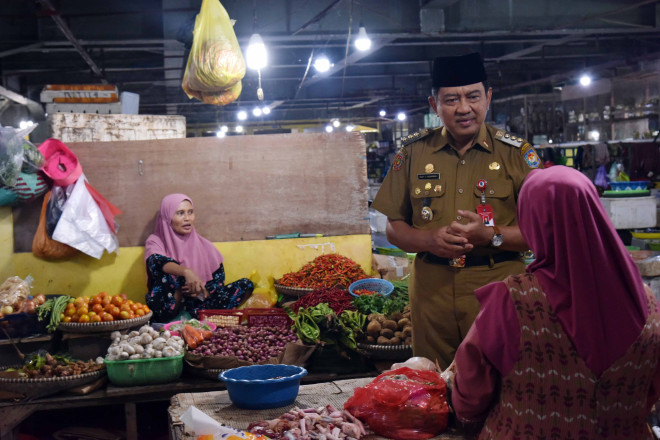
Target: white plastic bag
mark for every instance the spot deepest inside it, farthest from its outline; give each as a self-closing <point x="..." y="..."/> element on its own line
<point x="82" y="224"/>
<point x="417" y="363"/>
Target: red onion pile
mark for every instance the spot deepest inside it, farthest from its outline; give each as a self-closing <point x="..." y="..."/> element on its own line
<point x="251" y="344"/>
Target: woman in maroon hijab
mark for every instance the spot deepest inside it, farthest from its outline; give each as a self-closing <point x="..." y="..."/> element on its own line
<point x="571" y="348"/>
<point x="185" y="270"/>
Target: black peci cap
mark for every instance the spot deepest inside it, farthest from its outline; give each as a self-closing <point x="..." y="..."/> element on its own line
<point x="458" y="71"/>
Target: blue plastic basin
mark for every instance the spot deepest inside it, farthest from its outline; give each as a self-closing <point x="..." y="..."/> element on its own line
<point x="263" y="386"/>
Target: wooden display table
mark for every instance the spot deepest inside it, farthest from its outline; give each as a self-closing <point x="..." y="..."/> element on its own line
<point x="217" y="405"/>
<point x="13" y="413"/>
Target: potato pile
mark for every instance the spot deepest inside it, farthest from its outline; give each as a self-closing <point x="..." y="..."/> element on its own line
<point x="393" y="330"/>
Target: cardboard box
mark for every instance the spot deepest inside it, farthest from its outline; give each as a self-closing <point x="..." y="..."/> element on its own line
<point x="389" y="267"/>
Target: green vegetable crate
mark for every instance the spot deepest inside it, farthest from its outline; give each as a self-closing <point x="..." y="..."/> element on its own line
<point x="144" y="371"/>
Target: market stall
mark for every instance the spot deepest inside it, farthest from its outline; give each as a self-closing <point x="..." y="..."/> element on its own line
<point x="218" y="405"/>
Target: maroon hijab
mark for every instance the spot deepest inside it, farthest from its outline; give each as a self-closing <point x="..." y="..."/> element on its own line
<point x="191" y="250"/>
<point x="588" y="276"/>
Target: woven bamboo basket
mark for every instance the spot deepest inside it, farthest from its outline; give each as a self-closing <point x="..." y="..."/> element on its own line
<point x="106" y="326"/>
<point x="41" y="387"/>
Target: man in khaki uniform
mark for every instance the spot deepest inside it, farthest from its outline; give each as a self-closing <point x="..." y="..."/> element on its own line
<point x="450" y="196"/>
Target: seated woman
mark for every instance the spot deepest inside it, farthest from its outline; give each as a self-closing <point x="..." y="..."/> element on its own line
<point x="571" y="348"/>
<point x="184" y="270"/>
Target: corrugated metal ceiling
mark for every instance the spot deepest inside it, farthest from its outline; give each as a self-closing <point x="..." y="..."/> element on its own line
<point x="529" y="46"/>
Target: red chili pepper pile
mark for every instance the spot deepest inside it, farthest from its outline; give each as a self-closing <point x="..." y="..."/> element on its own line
<point x="325" y="271"/>
<point x="337" y="299"/>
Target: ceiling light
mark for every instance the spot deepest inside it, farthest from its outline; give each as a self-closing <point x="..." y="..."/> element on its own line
<point x="549" y="141"/>
<point x="241" y="115"/>
<point x="594" y="135"/>
<point x="220" y="134"/>
<point x="401" y="116"/>
<point x="239" y="129"/>
<point x="362" y="42"/>
<point x="224" y="129"/>
<point x="336" y="123"/>
<point x="350" y="127"/>
<point x="256" y="54"/>
<point x="585" y="80"/>
<point x="257" y="111"/>
<point x="322" y="64"/>
<point x="328" y="128"/>
<point x="382" y="113"/>
<point x="266" y="110"/>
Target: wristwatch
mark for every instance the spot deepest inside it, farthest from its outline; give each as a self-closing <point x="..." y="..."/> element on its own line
<point x="498" y="238"/>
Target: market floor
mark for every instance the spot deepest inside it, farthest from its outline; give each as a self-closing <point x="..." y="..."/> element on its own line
<point x="55" y="424"/>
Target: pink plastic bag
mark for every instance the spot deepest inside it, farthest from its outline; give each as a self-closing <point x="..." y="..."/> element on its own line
<point x="403" y="404"/>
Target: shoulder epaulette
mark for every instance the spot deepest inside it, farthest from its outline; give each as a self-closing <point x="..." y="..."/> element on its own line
<point x="415" y="136"/>
<point x="509" y="139"/>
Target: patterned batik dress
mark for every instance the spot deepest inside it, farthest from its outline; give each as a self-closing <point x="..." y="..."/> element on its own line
<point x="552" y="395"/>
<point x="162" y="287"/>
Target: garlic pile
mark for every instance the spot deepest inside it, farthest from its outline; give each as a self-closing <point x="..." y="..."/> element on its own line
<point x="145" y="343"/>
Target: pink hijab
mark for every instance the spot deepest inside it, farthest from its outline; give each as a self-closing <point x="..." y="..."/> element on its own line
<point x="192" y="250"/>
<point x="588" y="276"/>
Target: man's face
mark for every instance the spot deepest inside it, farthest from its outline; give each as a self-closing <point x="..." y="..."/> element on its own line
<point x="462" y="109"/>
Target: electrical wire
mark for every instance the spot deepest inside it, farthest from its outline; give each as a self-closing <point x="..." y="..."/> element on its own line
<point x="348" y="43"/>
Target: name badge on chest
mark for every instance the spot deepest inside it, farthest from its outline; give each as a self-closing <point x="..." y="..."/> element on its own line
<point x="428" y="176"/>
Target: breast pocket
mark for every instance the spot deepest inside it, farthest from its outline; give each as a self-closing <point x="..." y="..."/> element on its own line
<point x="500" y="196"/>
<point x="433" y="190"/>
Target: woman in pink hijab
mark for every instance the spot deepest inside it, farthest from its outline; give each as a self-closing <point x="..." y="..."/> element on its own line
<point x="571" y="348"/>
<point x="184" y="270"/>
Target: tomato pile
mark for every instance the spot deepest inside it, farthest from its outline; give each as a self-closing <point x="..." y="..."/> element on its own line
<point x="102" y="307"/>
<point x="360" y="292"/>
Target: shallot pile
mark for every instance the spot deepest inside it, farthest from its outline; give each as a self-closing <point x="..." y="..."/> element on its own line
<point x="251" y="344"/>
<point x="327" y="423"/>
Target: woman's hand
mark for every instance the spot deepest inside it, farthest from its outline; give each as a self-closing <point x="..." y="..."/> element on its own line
<point x="194" y="285"/>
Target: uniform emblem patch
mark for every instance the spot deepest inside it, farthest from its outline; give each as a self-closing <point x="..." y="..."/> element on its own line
<point x="399" y="159"/>
<point x="532" y="159"/>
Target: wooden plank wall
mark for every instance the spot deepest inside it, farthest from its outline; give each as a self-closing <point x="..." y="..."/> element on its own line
<point x="243" y="187"/>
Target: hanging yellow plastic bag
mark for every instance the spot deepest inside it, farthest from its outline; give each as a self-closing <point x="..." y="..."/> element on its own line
<point x="217" y="98"/>
<point x="215" y="64"/>
<point x="264" y="295"/>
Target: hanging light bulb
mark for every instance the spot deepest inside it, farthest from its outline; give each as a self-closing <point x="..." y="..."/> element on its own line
<point x="362" y="42"/>
<point x="257" y="56"/>
<point x="322" y="64"/>
<point x="336" y="123"/>
<point x="401" y="116"/>
<point x="585" y="80"/>
<point x="257" y="59"/>
<point x="382" y="113"/>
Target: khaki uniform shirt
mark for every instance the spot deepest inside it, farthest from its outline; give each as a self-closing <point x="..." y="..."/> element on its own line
<point x="428" y="167"/>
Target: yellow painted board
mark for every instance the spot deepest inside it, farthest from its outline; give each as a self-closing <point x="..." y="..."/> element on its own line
<point x="125" y="272"/>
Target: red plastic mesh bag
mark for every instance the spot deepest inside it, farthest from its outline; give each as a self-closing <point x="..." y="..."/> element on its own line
<point x="403" y="404"/>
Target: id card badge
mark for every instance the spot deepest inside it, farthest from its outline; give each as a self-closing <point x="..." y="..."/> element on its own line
<point x="486" y="213"/>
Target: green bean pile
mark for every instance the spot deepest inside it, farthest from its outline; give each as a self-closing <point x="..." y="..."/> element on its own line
<point x="53" y="307"/>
